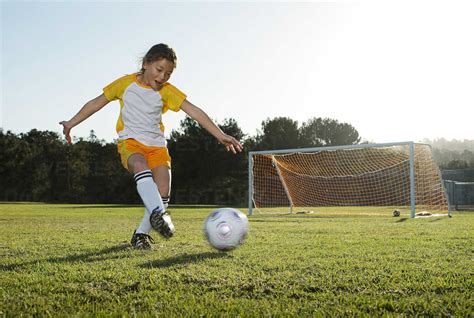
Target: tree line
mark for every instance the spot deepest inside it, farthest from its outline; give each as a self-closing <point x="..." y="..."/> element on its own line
<point x="453" y="154"/>
<point x="41" y="166"/>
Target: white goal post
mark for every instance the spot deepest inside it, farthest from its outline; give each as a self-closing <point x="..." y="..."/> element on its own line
<point x="400" y="174"/>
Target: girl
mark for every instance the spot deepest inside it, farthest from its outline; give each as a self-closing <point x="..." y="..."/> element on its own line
<point x="144" y="96"/>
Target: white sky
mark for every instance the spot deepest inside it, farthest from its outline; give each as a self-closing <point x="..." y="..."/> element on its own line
<point x="395" y="70"/>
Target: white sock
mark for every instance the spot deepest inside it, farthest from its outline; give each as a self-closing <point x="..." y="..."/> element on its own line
<point x="145" y="225"/>
<point x="148" y="191"/>
<point x="166" y="201"/>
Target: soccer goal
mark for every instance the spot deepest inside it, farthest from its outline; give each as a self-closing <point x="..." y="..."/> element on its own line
<point x="400" y="175"/>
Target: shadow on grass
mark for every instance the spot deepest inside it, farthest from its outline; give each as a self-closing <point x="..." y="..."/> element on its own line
<point x="437" y="219"/>
<point x="401" y="220"/>
<point x="185" y="259"/>
<point x="95" y="256"/>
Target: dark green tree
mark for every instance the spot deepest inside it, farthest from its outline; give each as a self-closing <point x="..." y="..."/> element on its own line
<point x="15" y="155"/>
<point x="284" y="133"/>
<point x="203" y="171"/>
<point x="96" y="175"/>
<point x="318" y="132"/>
<point x="278" y="133"/>
<point x="41" y="163"/>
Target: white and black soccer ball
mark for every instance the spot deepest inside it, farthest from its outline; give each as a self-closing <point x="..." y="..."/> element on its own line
<point x="396" y="213"/>
<point x="226" y="228"/>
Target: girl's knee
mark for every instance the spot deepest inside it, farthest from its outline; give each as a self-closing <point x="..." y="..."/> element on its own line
<point x="137" y="163"/>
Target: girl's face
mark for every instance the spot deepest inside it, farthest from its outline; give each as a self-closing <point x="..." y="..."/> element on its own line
<point x="157" y="73"/>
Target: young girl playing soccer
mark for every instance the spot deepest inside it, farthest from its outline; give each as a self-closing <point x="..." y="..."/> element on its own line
<point x="144" y="96"/>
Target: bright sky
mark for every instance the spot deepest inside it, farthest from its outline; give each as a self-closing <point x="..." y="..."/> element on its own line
<point x="395" y="70"/>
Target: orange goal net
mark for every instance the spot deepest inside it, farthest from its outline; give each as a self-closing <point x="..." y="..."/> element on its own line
<point x="385" y="175"/>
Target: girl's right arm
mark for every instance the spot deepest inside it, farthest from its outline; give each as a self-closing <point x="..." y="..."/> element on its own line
<point x="86" y="111"/>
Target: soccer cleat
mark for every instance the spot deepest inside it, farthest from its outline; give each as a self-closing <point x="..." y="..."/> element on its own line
<point x="141" y="241"/>
<point x="161" y="222"/>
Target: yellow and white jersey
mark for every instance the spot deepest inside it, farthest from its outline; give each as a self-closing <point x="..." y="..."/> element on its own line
<point x="141" y="109"/>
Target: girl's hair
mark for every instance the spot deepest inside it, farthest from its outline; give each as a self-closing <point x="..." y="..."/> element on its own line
<point x="158" y="52"/>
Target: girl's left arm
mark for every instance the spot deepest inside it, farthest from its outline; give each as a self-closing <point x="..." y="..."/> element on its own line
<point x="203" y="119"/>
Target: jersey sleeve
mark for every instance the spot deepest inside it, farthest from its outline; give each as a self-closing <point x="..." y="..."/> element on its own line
<point x="173" y="98"/>
<point x="115" y="90"/>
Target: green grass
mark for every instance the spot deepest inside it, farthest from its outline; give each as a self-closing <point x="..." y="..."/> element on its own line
<point x="74" y="260"/>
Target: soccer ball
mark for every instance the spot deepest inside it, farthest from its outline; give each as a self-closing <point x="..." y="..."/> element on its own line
<point x="396" y="213"/>
<point x="226" y="228"/>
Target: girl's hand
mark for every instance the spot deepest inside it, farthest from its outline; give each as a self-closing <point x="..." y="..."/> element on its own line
<point x="230" y="143"/>
<point x="196" y="113"/>
<point x="88" y="109"/>
<point x="66" y="130"/>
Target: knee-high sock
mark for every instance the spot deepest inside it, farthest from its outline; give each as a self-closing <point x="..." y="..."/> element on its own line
<point x="145" y="225"/>
<point x="148" y="191"/>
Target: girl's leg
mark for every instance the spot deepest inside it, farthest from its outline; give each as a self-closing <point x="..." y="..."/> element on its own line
<point x="162" y="178"/>
<point x="148" y="190"/>
<point x="161" y="220"/>
<point x="146" y="186"/>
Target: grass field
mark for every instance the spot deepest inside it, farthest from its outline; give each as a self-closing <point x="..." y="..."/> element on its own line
<point x="75" y="260"/>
